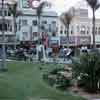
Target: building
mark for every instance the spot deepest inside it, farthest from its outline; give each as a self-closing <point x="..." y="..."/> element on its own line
<point x="8" y="24"/>
<point x="80" y="28"/>
<point x="27" y="23"/>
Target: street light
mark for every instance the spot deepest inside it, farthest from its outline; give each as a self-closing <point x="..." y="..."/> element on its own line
<point x="3" y="64"/>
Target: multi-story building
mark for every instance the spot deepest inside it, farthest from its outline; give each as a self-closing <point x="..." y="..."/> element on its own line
<point x="28" y="22"/>
<point x="80" y="28"/>
<point x="8" y="24"/>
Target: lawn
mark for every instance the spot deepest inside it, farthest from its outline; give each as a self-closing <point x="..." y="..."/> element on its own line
<point x="23" y="81"/>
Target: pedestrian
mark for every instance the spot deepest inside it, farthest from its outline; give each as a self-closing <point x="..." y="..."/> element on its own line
<point x="65" y="52"/>
<point x="39" y="50"/>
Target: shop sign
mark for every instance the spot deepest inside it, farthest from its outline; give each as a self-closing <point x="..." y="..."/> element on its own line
<point x="63" y="40"/>
<point x="84" y="40"/>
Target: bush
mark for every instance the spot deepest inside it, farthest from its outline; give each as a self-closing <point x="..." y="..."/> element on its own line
<point x="54" y="78"/>
<point x="88" y="68"/>
<point x="64" y="83"/>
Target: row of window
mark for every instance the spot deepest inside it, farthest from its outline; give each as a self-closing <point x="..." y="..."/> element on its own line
<point x="65" y="31"/>
<point x="35" y="34"/>
<point x="82" y="30"/>
<point x="7" y="27"/>
<point x="35" y="22"/>
<point x="86" y="30"/>
<point x="6" y="12"/>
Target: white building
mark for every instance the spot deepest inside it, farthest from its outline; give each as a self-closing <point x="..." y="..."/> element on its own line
<point x="80" y="28"/>
<point x="27" y="22"/>
<point x="8" y="24"/>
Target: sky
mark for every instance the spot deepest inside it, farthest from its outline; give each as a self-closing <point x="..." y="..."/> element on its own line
<point x="63" y="5"/>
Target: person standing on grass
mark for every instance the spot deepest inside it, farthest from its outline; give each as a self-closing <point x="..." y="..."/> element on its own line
<point x="39" y="51"/>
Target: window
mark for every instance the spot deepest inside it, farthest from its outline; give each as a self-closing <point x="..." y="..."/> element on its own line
<point x="5" y="12"/>
<point x="72" y="30"/>
<point x="99" y="30"/>
<point x="35" y="34"/>
<point x="50" y="28"/>
<point x="10" y="28"/>
<point x="96" y="30"/>
<point x="9" y="14"/>
<point x="88" y="30"/>
<point x="5" y="27"/>
<point x="24" y="22"/>
<point x="61" y="32"/>
<point x="44" y="22"/>
<point x="65" y="31"/>
<point x="78" y="29"/>
<point x="25" y="35"/>
<point x="0" y="13"/>
<point x="34" y="22"/>
<point x="83" y="29"/>
<point x="53" y="22"/>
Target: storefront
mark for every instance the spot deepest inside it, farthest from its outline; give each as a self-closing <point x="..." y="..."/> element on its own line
<point x="54" y="43"/>
<point x="97" y="40"/>
<point x="75" y="41"/>
<point x="64" y="42"/>
<point x="83" y="40"/>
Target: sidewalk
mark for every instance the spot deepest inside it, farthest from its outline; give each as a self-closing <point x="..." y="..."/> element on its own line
<point x="58" y="60"/>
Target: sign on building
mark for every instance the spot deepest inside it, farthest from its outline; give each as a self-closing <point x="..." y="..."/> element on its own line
<point x="63" y="40"/>
<point x="25" y="3"/>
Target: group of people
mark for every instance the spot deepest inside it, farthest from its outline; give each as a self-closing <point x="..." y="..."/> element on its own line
<point x="21" y="53"/>
<point x="40" y="51"/>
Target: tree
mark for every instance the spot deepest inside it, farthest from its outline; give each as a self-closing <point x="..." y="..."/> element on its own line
<point x="94" y="4"/>
<point x="13" y="10"/>
<point x="66" y="19"/>
<point x="39" y="12"/>
<point x="3" y="66"/>
<point x="88" y="71"/>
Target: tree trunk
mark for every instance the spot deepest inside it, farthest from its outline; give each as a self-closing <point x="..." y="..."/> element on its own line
<point x="39" y="29"/>
<point x="14" y="30"/>
<point x="93" y="30"/>
<point x="38" y="54"/>
<point x="3" y="64"/>
<point x="68" y="36"/>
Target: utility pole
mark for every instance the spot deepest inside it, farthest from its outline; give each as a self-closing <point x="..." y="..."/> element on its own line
<point x="3" y="63"/>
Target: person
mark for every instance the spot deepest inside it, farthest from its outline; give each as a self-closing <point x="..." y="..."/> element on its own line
<point x="65" y="52"/>
<point x="25" y="55"/>
<point x="68" y="54"/>
<point x="84" y="49"/>
<point x="39" y="50"/>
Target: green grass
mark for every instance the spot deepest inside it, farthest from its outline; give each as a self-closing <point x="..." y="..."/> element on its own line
<point x="23" y="81"/>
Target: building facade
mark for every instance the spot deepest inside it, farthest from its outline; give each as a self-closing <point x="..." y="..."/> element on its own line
<point x="80" y="32"/>
<point x="8" y="24"/>
<point x="28" y="22"/>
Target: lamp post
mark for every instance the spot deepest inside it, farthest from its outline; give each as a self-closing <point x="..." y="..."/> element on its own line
<point x="3" y="64"/>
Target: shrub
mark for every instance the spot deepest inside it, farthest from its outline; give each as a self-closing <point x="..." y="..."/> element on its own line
<point x="63" y="83"/>
<point x="88" y="68"/>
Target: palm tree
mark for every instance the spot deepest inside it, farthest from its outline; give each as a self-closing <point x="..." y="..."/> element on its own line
<point x="66" y="19"/>
<point x="13" y="10"/>
<point x="3" y="64"/>
<point x="39" y="12"/>
<point x="94" y="4"/>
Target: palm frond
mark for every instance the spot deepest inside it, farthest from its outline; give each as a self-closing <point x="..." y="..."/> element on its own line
<point x="13" y="9"/>
<point x="66" y="18"/>
<point x="94" y="4"/>
<point x="41" y="6"/>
